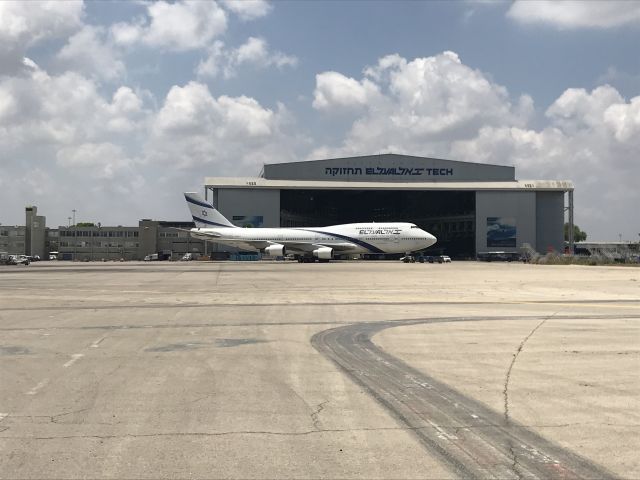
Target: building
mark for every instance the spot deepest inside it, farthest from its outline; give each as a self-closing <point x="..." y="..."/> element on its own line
<point x="35" y="233"/>
<point x="470" y="207"/>
<point x="12" y="239"/>
<point x="128" y="243"/>
<point x="99" y="242"/>
<point x="31" y="239"/>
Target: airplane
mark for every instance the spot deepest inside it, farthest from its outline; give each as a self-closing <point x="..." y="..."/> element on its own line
<point x="308" y="244"/>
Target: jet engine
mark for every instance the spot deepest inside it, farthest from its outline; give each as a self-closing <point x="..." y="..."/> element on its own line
<point x="323" y="253"/>
<point x="276" y="250"/>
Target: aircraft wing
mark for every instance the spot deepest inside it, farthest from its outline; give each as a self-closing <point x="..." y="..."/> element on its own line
<point x="197" y="233"/>
<point x="294" y="247"/>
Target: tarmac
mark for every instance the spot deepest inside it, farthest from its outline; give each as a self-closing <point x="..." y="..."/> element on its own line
<point x="338" y="370"/>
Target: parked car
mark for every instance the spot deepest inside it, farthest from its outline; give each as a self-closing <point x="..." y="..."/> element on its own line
<point x="19" y="260"/>
<point x="187" y="257"/>
<point x="444" y="259"/>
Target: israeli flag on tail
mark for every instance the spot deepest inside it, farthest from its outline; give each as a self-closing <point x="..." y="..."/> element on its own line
<point x="204" y="214"/>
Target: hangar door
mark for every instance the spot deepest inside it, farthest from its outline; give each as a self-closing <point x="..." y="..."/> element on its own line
<point x="449" y="215"/>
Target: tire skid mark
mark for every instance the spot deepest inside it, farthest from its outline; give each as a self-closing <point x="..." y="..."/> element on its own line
<point x="444" y="420"/>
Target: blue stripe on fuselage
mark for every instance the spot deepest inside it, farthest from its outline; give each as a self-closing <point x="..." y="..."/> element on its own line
<point x="366" y="245"/>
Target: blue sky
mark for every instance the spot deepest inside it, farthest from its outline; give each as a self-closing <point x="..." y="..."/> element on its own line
<point x="115" y="108"/>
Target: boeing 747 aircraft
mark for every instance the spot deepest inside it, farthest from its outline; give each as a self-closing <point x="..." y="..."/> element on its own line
<point x="308" y="244"/>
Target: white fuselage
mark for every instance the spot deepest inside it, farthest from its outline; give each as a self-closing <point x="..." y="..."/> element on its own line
<point x="348" y="238"/>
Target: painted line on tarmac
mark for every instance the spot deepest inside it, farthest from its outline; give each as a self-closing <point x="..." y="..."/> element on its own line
<point x="3" y="416"/>
<point x="74" y="358"/>
<point x="37" y="388"/>
<point x="97" y="343"/>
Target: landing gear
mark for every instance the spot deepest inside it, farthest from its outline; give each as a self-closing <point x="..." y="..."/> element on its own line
<point x="303" y="259"/>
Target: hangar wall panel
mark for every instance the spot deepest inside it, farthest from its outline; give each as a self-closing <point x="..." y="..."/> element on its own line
<point x="550" y="221"/>
<point x="498" y="214"/>
<point x="250" y="203"/>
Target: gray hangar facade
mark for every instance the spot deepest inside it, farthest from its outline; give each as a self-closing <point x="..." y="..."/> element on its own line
<point x="470" y="207"/>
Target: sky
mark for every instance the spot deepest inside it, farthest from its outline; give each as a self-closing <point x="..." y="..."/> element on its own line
<point x="115" y="108"/>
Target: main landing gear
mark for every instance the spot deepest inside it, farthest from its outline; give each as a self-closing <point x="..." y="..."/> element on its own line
<point x="303" y="259"/>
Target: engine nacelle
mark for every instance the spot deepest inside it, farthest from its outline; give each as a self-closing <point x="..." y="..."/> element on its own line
<point x="323" y="253"/>
<point x="275" y="250"/>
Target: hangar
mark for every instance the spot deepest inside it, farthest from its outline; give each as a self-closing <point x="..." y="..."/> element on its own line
<point x="470" y="207"/>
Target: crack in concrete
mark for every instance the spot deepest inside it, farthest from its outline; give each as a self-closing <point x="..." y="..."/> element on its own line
<point x="265" y="432"/>
<point x="219" y="434"/>
<point x="505" y="393"/>
<point x="514" y="465"/>
<point x="315" y="414"/>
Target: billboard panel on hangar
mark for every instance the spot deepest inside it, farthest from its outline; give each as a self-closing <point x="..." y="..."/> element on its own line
<point x="389" y="168"/>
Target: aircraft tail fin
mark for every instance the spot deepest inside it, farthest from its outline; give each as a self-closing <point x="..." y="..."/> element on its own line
<point x="204" y="214"/>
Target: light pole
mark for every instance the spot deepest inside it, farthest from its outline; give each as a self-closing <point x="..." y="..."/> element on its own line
<point x="74" y="217"/>
<point x="69" y="222"/>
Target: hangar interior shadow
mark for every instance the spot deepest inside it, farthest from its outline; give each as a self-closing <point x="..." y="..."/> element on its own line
<point x="449" y="215"/>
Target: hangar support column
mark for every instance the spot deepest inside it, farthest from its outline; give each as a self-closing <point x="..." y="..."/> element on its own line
<point x="570" y="208"/>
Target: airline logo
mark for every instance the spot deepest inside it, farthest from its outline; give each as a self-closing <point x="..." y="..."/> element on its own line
<point x="389" y="171"/>
<point x="380" y="231"/>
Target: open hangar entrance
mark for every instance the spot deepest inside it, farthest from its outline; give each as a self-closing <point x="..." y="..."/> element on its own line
<point x="449" y="215"/>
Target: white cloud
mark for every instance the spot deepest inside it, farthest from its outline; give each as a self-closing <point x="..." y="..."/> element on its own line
<point x="103" y="160"/>
<point x="90" y="53"/>
<point x="216" y="62"/>
<point x="24" y="24"/>
<point x="408" y="104"/>
<point x="195" y="129"/>
<point x="624" y="120"/>
<point x="254" y="52"/>
<point x="179" y="26"/>
<point x="127" y="34"/>
<point x="63" y="109"/>
<point x="569" y="14"/>
<point x="248" y="9"/>
<point x="335" y="91"/>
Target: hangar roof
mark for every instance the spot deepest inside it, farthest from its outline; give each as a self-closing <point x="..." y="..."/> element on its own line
<point x="259" y="183"/>
<point x="388" y="167"/>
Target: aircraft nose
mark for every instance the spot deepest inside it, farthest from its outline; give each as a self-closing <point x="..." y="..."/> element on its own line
<point x="430" y="238"/>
